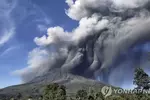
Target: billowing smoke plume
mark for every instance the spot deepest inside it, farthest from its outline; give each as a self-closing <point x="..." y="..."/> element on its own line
<point x="111" y="40"/>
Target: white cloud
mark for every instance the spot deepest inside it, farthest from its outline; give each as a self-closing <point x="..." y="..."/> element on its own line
<point x="7" y="35"/>
<point x="7" y="25"/>
<point x="83" y="8"/>
<point x="8" y="50"/>
<point x="89" y="26"/>
<point x="41" y="27"/>
<point x="56" y="35"/>
<point x="37" y="59"/>
<point x="70" y="2"/>
<point x="129" y="3"/>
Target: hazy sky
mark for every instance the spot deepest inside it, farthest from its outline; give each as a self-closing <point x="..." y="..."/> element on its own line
<point x="20" y="22"/>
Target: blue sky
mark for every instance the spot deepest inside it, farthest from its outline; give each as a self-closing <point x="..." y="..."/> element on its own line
<point x="20" y="22"/>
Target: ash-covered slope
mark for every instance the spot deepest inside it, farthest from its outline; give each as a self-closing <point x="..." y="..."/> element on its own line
<point x="35" y="87"/>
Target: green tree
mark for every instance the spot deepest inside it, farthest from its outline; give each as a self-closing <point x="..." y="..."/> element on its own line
<point x="91" y="94"/>
<point x="82" y="95"/>
<point x="141" y="79"/>
<point x="70" y="98"/>
<point x="99" y="96"/>
<point x="18" y="96"/>
<point x="115" y="97"/>
<point x="54" y="92"/>
<point x="90" y="97"/>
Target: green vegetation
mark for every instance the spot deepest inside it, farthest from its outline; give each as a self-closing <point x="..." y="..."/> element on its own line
<point x="141" y="79"/>
<point x="58" y="92"/>
<point x="54" y="92"/>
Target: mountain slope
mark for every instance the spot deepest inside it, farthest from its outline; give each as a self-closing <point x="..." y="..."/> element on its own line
<point x="35" y="87"/>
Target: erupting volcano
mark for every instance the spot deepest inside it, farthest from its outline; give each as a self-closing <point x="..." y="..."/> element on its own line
<point x="112" y="39"/>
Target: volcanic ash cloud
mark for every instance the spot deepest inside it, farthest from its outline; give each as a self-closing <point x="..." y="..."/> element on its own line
<point x="102" y="47"/>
